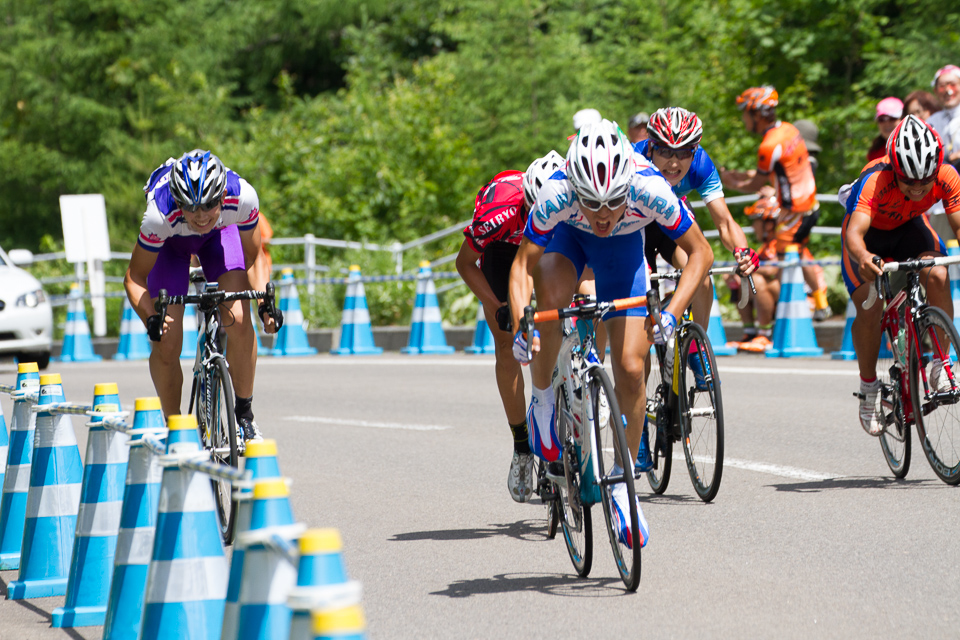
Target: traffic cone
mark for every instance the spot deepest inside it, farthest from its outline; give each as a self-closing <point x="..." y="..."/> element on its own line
<point x="4" y="444"/>
<point x="715" y="332"/>
<point x="321" y="580"/>
<point x="426" y="331"/>
<point x="53" y="501"/>
<point x="482" y="336"/>
<point x="134" y="341"/>
<point x="793" y="334"/>
<point x="187" y="578"/>
<point x="77" y="346"/>
<point x="291" y="340"/>
<point x="260" y="458"/>
<point x="16" y="481"/>
<point x="846" y="351"/>
<point x="138" y="521"/>
<point x="268" y="570"/>
<point x="191" y="333"/>
<point x="98" y="521"/>
<point x="356" y="334"/>
<point x="342" y="623"/>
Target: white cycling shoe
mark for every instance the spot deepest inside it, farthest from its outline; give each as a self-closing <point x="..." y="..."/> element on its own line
<point x="868" y="408"/>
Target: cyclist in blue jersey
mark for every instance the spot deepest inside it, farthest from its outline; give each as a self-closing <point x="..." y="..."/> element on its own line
<point x="594" y="213"/>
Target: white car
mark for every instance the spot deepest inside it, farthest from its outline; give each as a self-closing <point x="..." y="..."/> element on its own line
<point x="26" y="317"/>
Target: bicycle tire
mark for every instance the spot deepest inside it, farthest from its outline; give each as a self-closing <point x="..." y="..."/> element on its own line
<point x="937" y="431"/>
<point x="658" y="419"/>
<point x="701" y="413"/>
<point x="895" y="437"/>
<point x="215" y="406"/>
<point x="573" y="514"/>
<point x="611" y="448"/>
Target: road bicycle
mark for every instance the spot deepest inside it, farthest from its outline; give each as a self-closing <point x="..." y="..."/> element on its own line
<point x="211" y="393"/>
<point x="590" y="427"/>
<point x="684" y="402"/>
<point x="923" y="344"/>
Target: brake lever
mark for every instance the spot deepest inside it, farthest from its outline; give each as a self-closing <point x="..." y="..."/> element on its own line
<point x="160" y="306"/>
<point x="874" y="292"/>
<point x="528" y="322"/>
<point x="744" y="297"/>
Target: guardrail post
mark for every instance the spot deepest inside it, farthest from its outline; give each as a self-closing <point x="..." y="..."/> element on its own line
<point x="397" y="250"/>
<point x="310" y="257"/>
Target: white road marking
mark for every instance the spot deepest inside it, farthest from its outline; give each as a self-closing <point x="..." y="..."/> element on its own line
<point x="792" y="372"/>
<point x="367" y="423"/>
<point x="765" y="467"/>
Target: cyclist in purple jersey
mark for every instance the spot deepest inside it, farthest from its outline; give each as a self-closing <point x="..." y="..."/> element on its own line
<point x="196" y="206"/>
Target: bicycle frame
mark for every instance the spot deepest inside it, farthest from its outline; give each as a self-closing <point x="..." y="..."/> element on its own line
<point x="901" y="312"/>
<point x="209" y="353"/>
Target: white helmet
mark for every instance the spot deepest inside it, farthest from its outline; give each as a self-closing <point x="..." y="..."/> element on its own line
<point x="600" y="163"/>
<point x="538" y="173"/>
<point x="915" y="150"/>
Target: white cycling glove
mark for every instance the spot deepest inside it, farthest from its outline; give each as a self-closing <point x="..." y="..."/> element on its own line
<point x="520" y="346"/>
<point x="669" y="322"/>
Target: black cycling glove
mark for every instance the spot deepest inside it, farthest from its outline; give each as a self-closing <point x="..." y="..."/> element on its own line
<point x="154" y="327"/>
<point x="264" y="308"/>
<point x="503" y="318"/>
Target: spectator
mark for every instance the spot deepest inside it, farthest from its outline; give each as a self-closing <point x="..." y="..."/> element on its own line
<point x="810" y="133"/>
<point x="946" y="83"/>
<point x="922" y="104"/>
<point x="757" y="316"/>
<point x="637" y="127"/>
<point x="889" y="112"/>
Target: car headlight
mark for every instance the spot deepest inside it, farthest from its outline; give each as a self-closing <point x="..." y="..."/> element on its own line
<point x="31" y="299"/>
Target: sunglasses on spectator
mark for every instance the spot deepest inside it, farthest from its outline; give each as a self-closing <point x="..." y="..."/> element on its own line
<point x="210" y="206"/>
<point x="596" y="205"/>
<point x="916" y="182"/>
<point x="887" y="119"/>
<point x="679" y="154"/>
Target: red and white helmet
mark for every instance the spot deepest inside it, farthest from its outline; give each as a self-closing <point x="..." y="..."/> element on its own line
<point x="538" y="173"/>
<point x="915" y="149"/>
<point x="600" y="162"/>
<point x="675" y="128"/>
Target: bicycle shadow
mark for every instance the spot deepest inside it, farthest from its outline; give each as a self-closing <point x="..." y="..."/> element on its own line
<point x="549" y="584"/>
<point x="674" y="499"/>
<point x="855" y="482"/>
<point x="31" y="607"/>
<point x="521" y="530"/>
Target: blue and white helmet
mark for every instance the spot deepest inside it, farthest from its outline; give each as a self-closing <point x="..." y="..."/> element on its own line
<point x="600" y="162"/>
<point x="538" y="173"/>
<point x="198" y="179"/>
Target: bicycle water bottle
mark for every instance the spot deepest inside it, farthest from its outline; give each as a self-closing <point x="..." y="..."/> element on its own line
<point x="900" y="347"/>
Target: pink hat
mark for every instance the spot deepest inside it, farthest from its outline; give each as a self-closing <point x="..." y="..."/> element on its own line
<point x="947" y="69"/>
<point x="892" y="107"/>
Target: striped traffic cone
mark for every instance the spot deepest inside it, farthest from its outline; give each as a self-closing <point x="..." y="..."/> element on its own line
<point x="77" y="345"/>
<point x="98" y="521"/>
<point x="260" y="459"/>
<point x="482" y="337"/>
<point x="426" y="330"/>
<point x="341" y="623"/>
<point x="187" y="579"/>
<point x="16" y="481"/>
<point x="291" y="340"/>
<point x="846" y="351"/>
<point x="715" y="332"/>
<point x="793" y="334"/>
<point x="138" y="521"/>
<point x="53" y="501"/>
<point x="268" y="570"/>
<point x="4" y="444"/>
<point x="356" y="334"/>
<point x="321" y="580"/>
<point x="134" y="341"/>
<point x="191" y="333"/>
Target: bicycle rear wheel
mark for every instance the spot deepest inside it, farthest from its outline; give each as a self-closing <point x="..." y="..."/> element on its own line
<point x="701" y="412"/>
<point x="611" y="450"/>
<point x="895" y="437"/>
<point x="658" y="423"/>
<point x="573" y="514"/>
<point x="218" y="426"/>
<point x="936" y="403"/>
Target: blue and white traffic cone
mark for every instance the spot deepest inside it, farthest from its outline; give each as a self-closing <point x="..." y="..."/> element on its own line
<point x="322" y="581"/>
<point x="191" y="333"/>
<point x="134" y="341"/>
<point x="16" y="481"/>
<point x="52" y="501"/>
<point x="356" y="334"/>
<point x="4" y="445"/>
<point x="187" y="579"/>
<point x="138" y="521"/>
<point x="77" y="345"/>
<point x="260" y="459"/>
<point x="793" y="334"/>
<point x="342" y="623"/>
<point x="482" y="336"/>
<point x="98" y="521"/>
<point x="846" y="351"/>
<point x="426" y="329"/>
<point x="269" y="564"/>
<point x="291" y="340"/>
<point x="715" y="332"/>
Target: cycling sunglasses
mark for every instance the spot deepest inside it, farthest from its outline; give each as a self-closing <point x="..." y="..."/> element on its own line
<point x="596" y="205"/>
<point x="679" y="154"/>
<point x="210" y="206"/>
<point x="916" y="182"/>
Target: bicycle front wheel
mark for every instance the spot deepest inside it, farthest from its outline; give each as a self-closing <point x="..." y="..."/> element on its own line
<point x="935" y="394"/>
<point x="623" y="527"/>
<point x="895" y="437"/>
<point x="701" y="412"/>
<point x="658" y="423"/>
<point x="574" y="514"/>
<point x="216" y="405"/>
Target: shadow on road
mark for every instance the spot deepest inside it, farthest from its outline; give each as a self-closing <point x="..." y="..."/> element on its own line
<point x="854" y="483"/>
<point x="552" y="584"/>
<point x="522" y="530"/>
<point x="29" y="606"/>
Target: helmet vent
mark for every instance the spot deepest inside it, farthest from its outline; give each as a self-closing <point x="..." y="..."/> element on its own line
<point x="601" y="173"/>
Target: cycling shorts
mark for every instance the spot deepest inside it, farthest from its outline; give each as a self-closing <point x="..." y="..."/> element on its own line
<point x="618" y="263"/>
<point x="794" y="228"/>
<point x="219" y="251"/>
<point x="495" y="265"/>
<point x="905" y="242"/>
<point x="657" y="241"/>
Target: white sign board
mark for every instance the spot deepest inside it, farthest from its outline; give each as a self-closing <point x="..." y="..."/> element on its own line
<point x="85" y="235"/>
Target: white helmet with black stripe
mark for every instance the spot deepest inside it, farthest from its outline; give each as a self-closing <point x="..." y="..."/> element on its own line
<point x="198" y="179"/>
<point x="538" y="173"/>
<point x="600" y="163"/>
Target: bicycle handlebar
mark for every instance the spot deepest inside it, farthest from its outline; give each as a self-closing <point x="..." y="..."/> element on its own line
<point x="918" y="264"/>
<point x="217" y="297"/>
<point x="676" y="273"/>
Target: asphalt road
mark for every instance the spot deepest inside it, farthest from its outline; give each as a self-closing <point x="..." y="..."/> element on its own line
<point x="810" y="536"/>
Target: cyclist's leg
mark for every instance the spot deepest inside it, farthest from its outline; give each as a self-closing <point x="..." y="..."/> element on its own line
<point x="165" y="363"/>
<point x="241" y="339"/>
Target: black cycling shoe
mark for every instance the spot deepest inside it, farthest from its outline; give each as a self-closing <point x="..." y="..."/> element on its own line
<point x="250" y="430"/>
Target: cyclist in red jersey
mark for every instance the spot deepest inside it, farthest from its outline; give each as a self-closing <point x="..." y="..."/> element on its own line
<point x="885" y="218"/>
<point x="490" y="243"/>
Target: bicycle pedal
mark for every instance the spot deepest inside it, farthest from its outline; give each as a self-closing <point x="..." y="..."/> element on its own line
<point x="558" y="477"/>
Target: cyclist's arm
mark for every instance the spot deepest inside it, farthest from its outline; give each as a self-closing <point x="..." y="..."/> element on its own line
<point x="731" y="234"/>
<point x="745" y="181"/>
<point x="250" y="241"/>
<point x="135" y="281"/>
<point x="699" y="261"/>
<point x="521" y="278"/>
<point x="857" y="228"/>
<point x="470" y="272"/>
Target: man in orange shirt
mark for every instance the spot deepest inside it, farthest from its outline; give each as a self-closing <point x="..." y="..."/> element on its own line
<point x="885" y="218"/>
<point x="782" y="160"/>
